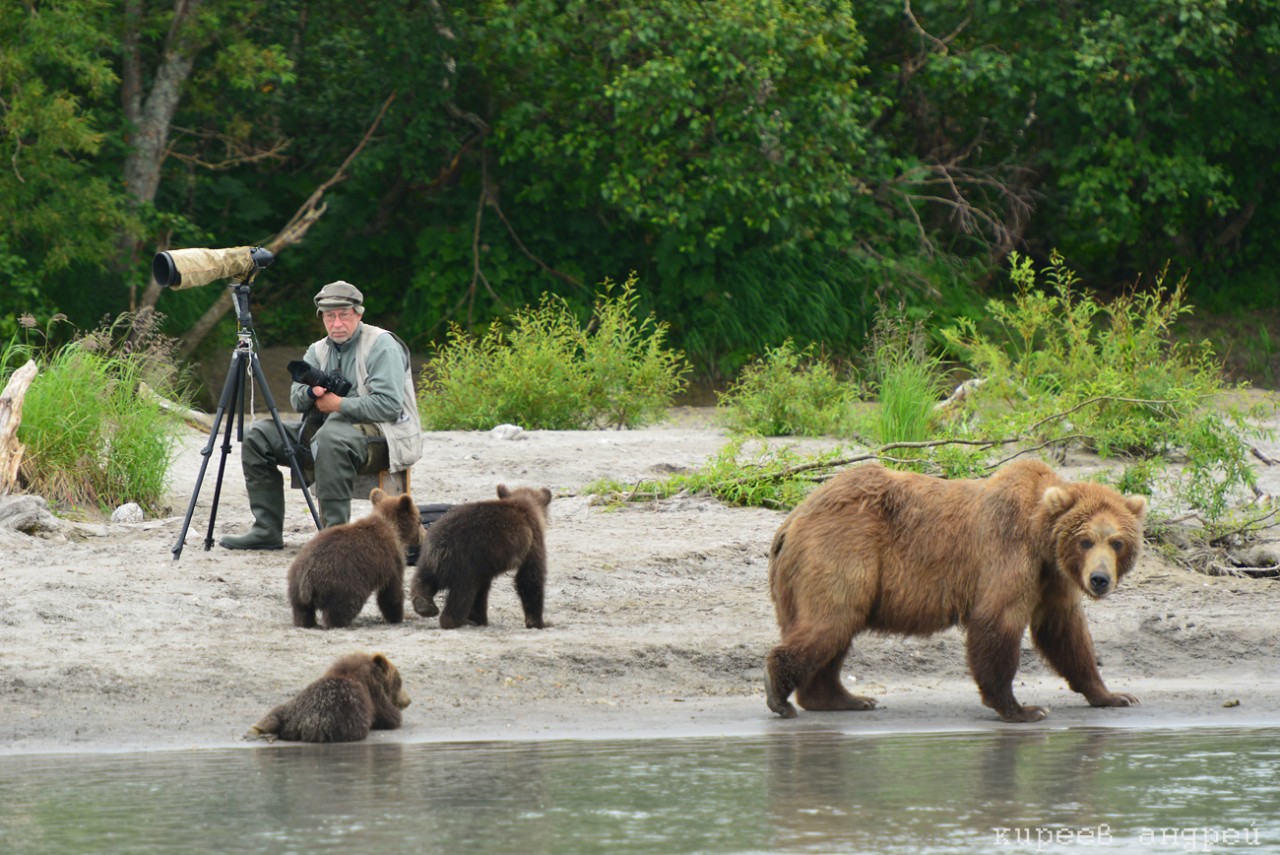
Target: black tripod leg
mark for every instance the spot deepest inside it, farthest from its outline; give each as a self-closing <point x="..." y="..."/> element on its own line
<point x="284" y="437"/>
<point x="236" y="418"/>
<point x="229" y="393"/>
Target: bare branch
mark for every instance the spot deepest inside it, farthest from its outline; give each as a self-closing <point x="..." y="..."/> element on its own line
<point x="292" y="232"/>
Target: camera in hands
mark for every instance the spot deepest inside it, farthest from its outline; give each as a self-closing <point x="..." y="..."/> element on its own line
<point x="309" y="375"/>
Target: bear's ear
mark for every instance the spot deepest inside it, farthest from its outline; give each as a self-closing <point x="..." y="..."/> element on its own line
<point x="1057" y="499"/>
<point x="503" y="492"/>
<point x="405" y="504"/>
<point x="377" y="495"/>
<point x="381" y="662"/>
<point x="1137" y="505"/>
<point x="546" y="496"/>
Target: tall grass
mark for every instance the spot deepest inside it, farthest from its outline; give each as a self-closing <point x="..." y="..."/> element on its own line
<point x="95" y="433"/>
<point x="906" y="378"/>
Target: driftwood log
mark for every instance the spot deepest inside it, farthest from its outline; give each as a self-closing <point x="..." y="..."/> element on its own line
<point x="10" y="418"/>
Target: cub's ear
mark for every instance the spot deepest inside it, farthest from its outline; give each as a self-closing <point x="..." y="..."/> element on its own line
<point x="1057" y="499"/>
<point x="381" y="662"/>
<point x="405" y="503"/>
<point x="377" y="495"/>
<point x="546" y="496"/>
<point x="1137" y="505"/>
<point x="503" y="492"/>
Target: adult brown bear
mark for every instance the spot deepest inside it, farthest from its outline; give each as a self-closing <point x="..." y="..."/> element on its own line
<point x="909" y="554"/>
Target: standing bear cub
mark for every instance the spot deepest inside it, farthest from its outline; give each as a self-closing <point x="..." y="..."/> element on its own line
<point x="358" y="693"/>
<point x="341" y="566"/>
<point x="474" y="543"/>
<point x="908" y="554"/>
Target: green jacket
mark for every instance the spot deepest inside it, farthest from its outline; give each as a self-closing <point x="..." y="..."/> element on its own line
<point x="377" y="364"/>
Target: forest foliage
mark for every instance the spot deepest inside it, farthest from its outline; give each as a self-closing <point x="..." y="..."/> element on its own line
<point x="768" y="171"/>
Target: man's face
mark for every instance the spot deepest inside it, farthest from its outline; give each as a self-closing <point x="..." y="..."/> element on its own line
<point x="340" y="324"/>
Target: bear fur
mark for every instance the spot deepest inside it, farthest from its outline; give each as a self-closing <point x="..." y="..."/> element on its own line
<point x="908" y="554"/>
<point x="360" y="692"/>
<point x="474" y="543"/>
<point x="341" y="566"/>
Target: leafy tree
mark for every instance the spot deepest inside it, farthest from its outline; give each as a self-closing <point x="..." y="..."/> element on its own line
<point x="57" y="211"/>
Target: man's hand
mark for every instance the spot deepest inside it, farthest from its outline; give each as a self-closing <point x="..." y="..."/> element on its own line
<point x="327" y="402"/>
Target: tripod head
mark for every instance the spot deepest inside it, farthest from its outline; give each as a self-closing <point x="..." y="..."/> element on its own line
<point x="240" y="296"/>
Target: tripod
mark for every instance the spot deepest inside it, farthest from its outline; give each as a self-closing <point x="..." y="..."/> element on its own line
<point x="244" y="358"/>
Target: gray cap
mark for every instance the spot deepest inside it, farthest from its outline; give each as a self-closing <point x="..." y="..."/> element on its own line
<point x="339" y="295"/>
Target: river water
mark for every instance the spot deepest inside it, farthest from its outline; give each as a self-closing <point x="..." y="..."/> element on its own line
<point x="1190" y="790"/>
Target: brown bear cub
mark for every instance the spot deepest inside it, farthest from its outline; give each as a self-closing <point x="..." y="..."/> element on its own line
<point x="360" y="692"/>
<point x="337" y="570"/>
<point x="474" y="543"/>
<point x="902" y="553"/>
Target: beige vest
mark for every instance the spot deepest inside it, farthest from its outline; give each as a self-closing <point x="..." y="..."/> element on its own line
<point x="404" y="435"/>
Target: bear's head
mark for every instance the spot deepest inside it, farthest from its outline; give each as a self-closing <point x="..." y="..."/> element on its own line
<point x="538" y="500"/>
<point x="1096" y="534"/>
<point x="376" y="672"/>
<point x="403" y="515"/>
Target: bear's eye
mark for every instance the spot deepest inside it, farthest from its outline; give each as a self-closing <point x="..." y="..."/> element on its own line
<point x="1086" y="544"/>
<point x="1118" y="546"/>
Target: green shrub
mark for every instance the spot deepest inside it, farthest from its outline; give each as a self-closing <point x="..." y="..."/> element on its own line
<point x="96" y="435"/>
<point x="548" y="372"/>
<point x="787" y="392"/>
<point x="1060" y="368"/>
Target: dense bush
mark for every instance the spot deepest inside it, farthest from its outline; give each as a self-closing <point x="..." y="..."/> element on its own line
<point x="788" y="392"/>
<point x="547" y="371"/>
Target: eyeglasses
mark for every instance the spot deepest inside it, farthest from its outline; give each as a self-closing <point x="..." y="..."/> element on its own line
<point x="343" y="315"/>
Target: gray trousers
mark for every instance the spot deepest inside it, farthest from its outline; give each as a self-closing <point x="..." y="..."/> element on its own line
<point x="340" y="448"/>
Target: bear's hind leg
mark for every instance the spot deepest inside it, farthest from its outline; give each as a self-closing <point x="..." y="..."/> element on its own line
<point x="825" y="691"/>
<point x="304" y="616"/>
<point x="391" y="601"/>
<point x="457" y="606"/>
<point x="802" y="660"/>
<point x="339" y="612"/>
<point x="479" y="615"/>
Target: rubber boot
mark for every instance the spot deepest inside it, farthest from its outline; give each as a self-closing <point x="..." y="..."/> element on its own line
<point x="335" y="512"/>
<point x="267" y="531"/>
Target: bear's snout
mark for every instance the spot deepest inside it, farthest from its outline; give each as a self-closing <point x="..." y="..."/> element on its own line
<point x="1099" y="583"/>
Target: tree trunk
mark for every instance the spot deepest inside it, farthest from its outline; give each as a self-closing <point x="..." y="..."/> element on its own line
<point x="151" y="115"/>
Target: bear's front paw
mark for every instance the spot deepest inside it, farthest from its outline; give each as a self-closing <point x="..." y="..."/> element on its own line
<point x="1115" y="699"/>
<point x="1024" y="715"/>
<point x="425" y="606"/>
<point x="254" y="734"/>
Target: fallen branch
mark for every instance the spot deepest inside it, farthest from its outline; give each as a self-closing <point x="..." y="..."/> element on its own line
<point x="11" y="450"/>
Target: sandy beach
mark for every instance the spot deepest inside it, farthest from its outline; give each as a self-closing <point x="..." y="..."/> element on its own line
<point x="660" y="619"/>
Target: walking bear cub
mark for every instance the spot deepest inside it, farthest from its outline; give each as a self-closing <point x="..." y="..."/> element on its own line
<point x="474" y="543"/>
<point x="340" y="567"/>
<point x="909" y="554"/>
<point x="358" y="693"/>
